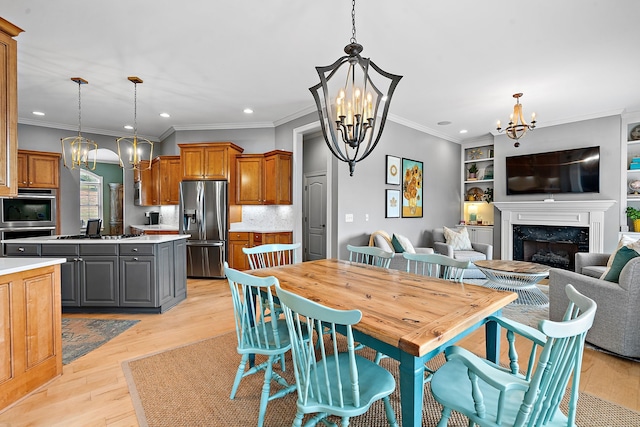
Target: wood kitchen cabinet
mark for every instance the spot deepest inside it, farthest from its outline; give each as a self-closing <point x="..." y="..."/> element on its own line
<point x="144" y="180"/>
<point x="31" y="332"/>
<point x="208" y="160"/>
<point x="247" y="239"/>
<point x="264" y="179"/>
<point x="165" y="177"/>
<point x="8" y="108"/>
<point x="38" y="169"/>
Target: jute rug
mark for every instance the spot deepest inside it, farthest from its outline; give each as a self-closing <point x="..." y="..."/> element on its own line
<point x="190" y="386"/>
<point x="80" y="336"/>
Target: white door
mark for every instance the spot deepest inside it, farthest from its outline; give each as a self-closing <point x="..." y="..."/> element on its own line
<point x="315" y="217"/>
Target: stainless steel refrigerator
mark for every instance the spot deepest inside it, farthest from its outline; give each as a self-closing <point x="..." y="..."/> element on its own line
<point x="203" y="215"/>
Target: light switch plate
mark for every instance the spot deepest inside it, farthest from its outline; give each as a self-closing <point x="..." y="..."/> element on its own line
<point x="348" y="218"/>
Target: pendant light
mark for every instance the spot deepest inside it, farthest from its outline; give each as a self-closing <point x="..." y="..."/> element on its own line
<point x="78" y="151"/>
<point x="348" y="97"/>
<point x="132" y="150"/>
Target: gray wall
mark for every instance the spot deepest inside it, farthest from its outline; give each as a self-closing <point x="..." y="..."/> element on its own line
<point x="364" y="192"/>
<point x="602" y="132"/>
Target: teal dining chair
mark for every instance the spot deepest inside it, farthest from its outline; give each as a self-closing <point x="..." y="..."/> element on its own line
<point x="436" y="265"/>
<point x="370" y="255"/>
<point x="490" y="395"/>
<point x="258" y="333"/>
<point x="271" y="255"/>
<point x="329" y="380"/>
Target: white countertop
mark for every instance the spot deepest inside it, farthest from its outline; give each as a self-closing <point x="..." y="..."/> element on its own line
<point x="258" y="230"/>
<point x="153" y="238"/>
<point x="161" y="227"/>
<point x="16" y="265"/>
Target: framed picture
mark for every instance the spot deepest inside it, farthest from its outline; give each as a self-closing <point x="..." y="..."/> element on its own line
<point x="393" y="170"/>
<point x="411" y="188"/>
<point x="393" y="204"/>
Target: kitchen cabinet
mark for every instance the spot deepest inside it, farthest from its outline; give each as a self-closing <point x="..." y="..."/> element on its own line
<point x="89" y="277"/>
<point x="247" y="239"/>
<point x="264" y="179"/>
<point x="30" y="315"/>
<point x="165" y="178"/>
<point x="38" y="169"/>
<point x="8" y="109"/>
<point x="208" y="160"/>
<point x="144" y="183"/>
<point x="237" y="259"/>
<point x="107" y="276"/>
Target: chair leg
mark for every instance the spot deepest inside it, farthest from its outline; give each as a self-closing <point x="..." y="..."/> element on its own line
<point x="391" y="416"/>
<point x="297" y="421"/>
<point x="239" y="374"/>
<point x="446" y="413"/>
<point x="266" y="388"/>
<point x="345" y="422"/>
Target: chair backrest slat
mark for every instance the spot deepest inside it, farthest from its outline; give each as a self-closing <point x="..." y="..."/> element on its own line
<point x="320" y="373"/>
<point x="370" y="255"/>
<point x="253" y="301"/>
<point x="560" y="362"/>
<point x="271" y="255"/>
<point x="436" y="265"/>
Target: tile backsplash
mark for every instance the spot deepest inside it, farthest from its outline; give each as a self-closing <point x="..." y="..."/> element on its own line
<point x="278" y="217"/>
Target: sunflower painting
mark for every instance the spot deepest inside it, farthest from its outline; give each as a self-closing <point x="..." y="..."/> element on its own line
<point x="412" y="189"/>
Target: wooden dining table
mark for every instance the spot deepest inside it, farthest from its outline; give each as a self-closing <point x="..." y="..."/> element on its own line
<point x="408" y="317"/>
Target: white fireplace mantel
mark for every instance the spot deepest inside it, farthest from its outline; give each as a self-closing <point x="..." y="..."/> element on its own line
<point x="576" y="213"/>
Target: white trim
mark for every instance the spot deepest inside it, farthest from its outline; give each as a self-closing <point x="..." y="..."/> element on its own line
<point x="578" y="213"/>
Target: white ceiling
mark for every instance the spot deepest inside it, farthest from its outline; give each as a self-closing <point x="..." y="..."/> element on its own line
<point x="204" y="61"/>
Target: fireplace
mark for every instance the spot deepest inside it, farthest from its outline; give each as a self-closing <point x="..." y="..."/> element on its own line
<point x="554" y="246"/>
<point x="586" y="215"/>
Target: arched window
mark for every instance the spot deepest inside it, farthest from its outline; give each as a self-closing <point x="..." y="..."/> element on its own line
<point x="90" y="197"/>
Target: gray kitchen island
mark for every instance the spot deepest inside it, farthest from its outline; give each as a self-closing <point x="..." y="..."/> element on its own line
<point x="142" y="274"/>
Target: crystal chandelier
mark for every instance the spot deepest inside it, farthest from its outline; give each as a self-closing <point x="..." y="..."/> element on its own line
<point x="348" y="99"/>
<point x="132" y="150"/>
<point x="78" y="151"/>
<point x="517" y="127"/>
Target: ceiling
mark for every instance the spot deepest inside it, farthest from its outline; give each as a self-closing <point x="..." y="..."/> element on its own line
<point x="204" y="61"/>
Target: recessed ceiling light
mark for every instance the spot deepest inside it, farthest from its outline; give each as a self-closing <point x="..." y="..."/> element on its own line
<point x="248" y="111"/>
<point x="38" y="113"/>
<point x="165" y="115"/>
<point x="128" y="127"/>
<point x="444" y="123"/>
<point x="463" y="131"/>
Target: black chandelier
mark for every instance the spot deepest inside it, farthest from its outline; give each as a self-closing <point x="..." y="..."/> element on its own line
<point x="348" y="99"/>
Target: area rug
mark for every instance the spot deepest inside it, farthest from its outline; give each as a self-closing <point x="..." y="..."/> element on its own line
<point x="80" y="336"/>
<point x="190" y="386"/>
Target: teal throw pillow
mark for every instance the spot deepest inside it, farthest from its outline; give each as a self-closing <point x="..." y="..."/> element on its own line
<point x="623" y="256"/>
<point x="397" y="245"/>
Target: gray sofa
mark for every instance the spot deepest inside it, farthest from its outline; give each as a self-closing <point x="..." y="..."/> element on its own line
<point x="382" y="239"/>
<point x="616" y="327"/>
<point x="480" y="251"/>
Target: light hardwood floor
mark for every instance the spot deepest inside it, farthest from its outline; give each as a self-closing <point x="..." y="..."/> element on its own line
<point x="93" y="392"/>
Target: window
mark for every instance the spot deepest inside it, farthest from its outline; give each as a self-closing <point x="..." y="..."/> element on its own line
<point x="90" y="197"/>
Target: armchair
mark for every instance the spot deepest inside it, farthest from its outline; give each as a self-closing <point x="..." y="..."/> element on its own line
<point x="479" y="251"/>
<point x="616" y="325"/>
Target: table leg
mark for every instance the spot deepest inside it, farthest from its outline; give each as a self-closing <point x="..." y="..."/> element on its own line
<point x="492" y="339"/>
<point x="411" y="389"/>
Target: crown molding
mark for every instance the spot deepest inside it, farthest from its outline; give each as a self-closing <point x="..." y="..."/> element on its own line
<point x="95" y="131"/>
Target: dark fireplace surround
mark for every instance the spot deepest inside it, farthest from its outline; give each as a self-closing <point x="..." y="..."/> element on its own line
<point x="554" y="246"/>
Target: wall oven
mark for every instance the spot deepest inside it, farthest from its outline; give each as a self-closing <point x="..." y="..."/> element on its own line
<point x="30" y="208"/>
<point x="32" y="213"/>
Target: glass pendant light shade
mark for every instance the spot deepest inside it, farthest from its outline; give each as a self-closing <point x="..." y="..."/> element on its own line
<point x="78" y="151"/>
<point x="131" y="150"/>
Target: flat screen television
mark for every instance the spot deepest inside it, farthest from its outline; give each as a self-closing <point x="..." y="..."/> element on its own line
<point x="564" y="171"/>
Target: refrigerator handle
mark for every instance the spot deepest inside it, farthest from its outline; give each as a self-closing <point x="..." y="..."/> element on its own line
<point x="201" y="218"/>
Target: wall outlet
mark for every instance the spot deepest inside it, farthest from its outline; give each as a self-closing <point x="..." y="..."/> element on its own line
<point x="348" y="218"/>
<point x="366" y="217"/>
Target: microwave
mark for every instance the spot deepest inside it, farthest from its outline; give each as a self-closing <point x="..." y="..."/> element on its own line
<point x="30" y="208"/>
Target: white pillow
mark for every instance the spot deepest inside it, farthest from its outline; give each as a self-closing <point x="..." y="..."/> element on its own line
<point x="382" y="243"/>
<point x="459" y="239"/>
<point x="405" y="243"/>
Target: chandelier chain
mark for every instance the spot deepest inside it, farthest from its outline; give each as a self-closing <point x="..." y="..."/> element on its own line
<point x="353" y="21"/>
<point x="79" y="109"/>
<point x="135" y="109"/>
